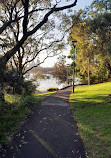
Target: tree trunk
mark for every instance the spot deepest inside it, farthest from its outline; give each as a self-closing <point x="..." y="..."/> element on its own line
<point x="2" y="72"/>
<point x="2" y="93"/>
<point x="88" y="72"/>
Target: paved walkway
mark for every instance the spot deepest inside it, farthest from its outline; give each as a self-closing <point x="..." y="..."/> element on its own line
<point x="50" y="132"/>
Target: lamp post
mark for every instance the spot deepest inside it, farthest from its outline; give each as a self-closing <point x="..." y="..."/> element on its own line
<point x="67" y="76"/>
<point x="73" y="42"/>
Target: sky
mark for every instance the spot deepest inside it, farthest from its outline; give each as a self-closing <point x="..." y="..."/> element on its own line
<point x="81" y="4"/>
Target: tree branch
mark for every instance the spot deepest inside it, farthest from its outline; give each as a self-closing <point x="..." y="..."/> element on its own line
<point x="11" y="52"/>
<point x="48" y="14"/>
<point x="40" y="62"/>
<point x="42" y="50"/>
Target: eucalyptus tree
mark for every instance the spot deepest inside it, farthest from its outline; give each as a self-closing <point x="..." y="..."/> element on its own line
<point x="92" y="29"/>
<point x="33" y="16"/>
<point x="100" y="26"/>
<point x="80" y="32"/>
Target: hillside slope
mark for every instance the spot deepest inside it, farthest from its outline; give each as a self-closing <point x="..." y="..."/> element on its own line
<point x="91" y="106"/>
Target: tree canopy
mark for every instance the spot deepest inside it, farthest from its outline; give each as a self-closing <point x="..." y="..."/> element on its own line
<point x="92" y="29"/>
<point x="29" y="27"/>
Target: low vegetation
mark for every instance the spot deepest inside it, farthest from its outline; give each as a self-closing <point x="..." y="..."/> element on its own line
<point x="14" y="111"/>
<point x="91" y="106"/>
<point x="52" y="89"/>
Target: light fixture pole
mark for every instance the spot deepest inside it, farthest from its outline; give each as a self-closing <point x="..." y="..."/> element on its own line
<point x="67" y="76"/>
<point x="73" y="42"/>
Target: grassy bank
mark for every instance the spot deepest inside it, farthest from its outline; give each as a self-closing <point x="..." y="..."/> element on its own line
<point x="91" y="106"/>
<point x="14" y="112"/>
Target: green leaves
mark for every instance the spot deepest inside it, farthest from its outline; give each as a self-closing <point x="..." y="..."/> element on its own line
<point x="92" y="29"/>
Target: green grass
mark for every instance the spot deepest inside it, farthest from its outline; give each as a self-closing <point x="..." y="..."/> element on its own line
<point x="14" y="111"/>
<point x="91" y="106"/>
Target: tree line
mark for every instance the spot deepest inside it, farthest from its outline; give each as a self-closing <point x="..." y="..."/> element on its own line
<point x="91" y="28"/>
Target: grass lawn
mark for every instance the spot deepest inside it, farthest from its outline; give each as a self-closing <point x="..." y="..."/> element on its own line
<point x="91" y="106"/>
<point x="14" y="112"/>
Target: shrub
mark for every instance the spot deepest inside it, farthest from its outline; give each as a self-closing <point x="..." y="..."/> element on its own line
<point x="52" y="89"/>
<point x="15" y="83"/>
<point x="28" y="88"/>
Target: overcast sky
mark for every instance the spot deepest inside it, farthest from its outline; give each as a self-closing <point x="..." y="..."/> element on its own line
<point x="81" y="4"/>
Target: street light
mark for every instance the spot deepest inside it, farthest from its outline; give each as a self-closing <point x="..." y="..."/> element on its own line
<point x="73" y="43"/>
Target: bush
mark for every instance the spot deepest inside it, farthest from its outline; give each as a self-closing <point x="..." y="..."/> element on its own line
<point x="22" y="87"/>
<point x="28" y="88"/>
<point x="28" y="101"/>
<point x="52" y="89"/>
<point x="14" y="83"/>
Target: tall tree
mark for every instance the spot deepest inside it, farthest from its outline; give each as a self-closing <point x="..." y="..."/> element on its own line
<point x="79" y="31"/>
<point x="32" y="16"/>
<point x="100" y="26"/>
<point x="92" y="30"/>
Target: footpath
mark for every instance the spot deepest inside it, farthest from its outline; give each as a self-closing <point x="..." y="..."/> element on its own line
<point x="49" y="132"/>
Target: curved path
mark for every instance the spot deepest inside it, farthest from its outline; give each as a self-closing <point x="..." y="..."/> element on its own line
<point x="50" y="132"/>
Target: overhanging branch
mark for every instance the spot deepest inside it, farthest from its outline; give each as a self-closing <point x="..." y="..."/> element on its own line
<point x="11" y="52"/>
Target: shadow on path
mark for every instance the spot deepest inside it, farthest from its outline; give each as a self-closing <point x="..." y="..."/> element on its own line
<point x="50" y="132"/>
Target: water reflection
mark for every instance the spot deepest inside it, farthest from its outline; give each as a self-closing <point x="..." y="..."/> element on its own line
<point x="49" y="82"/>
